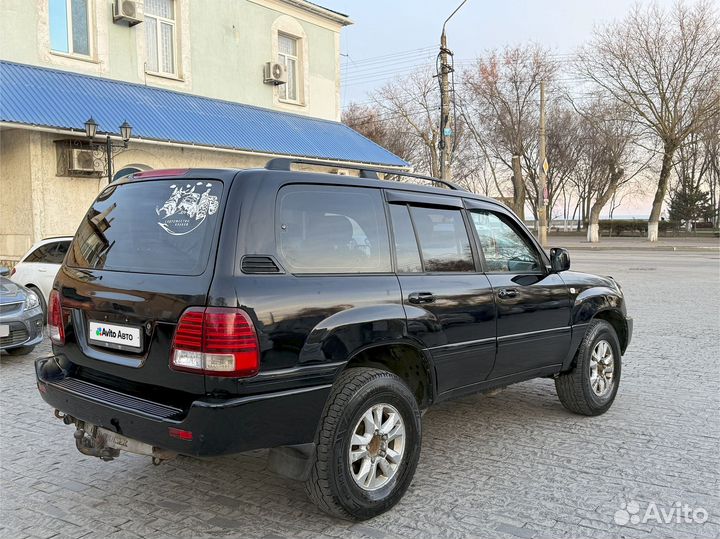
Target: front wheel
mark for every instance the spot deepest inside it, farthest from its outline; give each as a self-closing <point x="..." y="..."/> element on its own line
<point x="368" y="445"/>
<point x="590" y="387"/>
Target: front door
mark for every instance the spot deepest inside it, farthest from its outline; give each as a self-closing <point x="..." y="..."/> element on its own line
<point x="448" y="301"/>
<point x="533" y="305"/>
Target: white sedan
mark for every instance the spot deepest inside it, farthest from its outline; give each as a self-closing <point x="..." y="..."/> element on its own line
<point x="37" y="269"/>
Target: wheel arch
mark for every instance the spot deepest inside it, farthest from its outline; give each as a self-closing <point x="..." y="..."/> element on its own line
<point x="617" y="320"/>
<point x="404" y="359"/>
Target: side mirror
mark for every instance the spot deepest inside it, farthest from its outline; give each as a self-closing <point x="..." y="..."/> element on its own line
<point x="4" y="272"/>
<point x="559" y="259"/>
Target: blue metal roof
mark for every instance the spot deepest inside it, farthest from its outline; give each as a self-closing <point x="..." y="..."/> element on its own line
<point x="59" y="99"/>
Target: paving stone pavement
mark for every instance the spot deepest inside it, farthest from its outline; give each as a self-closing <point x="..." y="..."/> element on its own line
<point x="512" y="465"/>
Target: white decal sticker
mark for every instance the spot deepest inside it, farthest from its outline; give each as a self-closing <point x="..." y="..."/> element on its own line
<point x="186" y="209"/>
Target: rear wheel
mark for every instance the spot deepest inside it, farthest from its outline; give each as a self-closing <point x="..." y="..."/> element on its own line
<point x="368" y="445"/>
<point x="590" y="387"/>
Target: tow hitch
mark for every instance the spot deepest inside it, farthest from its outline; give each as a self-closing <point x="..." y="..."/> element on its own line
<point x="98" y="442"/>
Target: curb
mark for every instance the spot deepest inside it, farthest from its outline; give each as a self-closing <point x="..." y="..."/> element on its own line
<point x="664" y="248"/>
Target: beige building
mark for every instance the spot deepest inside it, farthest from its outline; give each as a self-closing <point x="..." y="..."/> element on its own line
<point x="227" y="83"/>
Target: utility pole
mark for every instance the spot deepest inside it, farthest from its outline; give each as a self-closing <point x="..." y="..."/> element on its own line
<point x="542" y="201"/>
<point x="446" y="132"/>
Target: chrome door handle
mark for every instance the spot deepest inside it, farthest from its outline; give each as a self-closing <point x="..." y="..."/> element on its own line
<point x="507" y="293"/>
<point x="421" y="297"/>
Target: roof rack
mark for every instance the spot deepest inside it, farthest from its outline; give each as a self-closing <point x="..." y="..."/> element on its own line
<point x="284" y="163"/>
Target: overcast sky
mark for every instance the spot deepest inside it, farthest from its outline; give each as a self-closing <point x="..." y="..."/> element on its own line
<point x="393" y="37"/>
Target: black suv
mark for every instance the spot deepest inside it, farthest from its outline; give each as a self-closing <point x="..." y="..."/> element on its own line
<point x="207" y="312"/>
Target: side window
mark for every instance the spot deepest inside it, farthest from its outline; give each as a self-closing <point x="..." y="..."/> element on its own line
<point x="40" y="255"/>
<point x="56" y="252"/>
<point x="406" y="249"/>
<point x="332" y="230"/>
<point x="505" y="249"/>
<point x="444" y="242"/>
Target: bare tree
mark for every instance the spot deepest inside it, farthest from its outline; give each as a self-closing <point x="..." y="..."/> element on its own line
<point x="711" y="165"/>
<point x="664" y="66"/>
<point x="389" y="132"/>
<point x="414" y="103"/>
<point x="611" y="154"/>
<point x="501" y="94"/>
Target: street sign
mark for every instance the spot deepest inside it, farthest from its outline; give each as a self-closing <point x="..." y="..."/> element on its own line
<point x="545" y="166"/>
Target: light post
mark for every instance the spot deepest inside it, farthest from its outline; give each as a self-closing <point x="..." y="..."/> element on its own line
<point x="110" y="148"/>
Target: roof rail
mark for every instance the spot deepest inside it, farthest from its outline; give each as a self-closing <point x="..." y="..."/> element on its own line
<point x="369" y="172"/>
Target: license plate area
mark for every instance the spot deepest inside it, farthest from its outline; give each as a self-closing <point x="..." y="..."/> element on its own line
<point x="123" y="443"/>
<point x="4" y="330"/>
<point x="115" y="336"/>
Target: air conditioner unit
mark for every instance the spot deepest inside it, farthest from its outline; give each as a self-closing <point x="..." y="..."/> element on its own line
<point x="274" y="73"/>
<point x="81" y="161"/>
<point x="129" y="11"/>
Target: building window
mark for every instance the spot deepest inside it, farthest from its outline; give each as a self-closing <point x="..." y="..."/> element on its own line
<point x="288" y="56"/>
<point x="160" y="35"/>
<point x="70" y="26"/>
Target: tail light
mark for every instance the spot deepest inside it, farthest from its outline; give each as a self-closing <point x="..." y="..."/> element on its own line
<point x="216" y="341"/>
<point x="12" y="271"/>
<point x="55" y="319"/>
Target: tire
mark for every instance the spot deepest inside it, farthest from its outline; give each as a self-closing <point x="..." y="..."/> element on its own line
<point x="41" y="298"/>
<point x="577" y="389"/>
<point x="334" y="484"/>
<point x="20" y="351"/>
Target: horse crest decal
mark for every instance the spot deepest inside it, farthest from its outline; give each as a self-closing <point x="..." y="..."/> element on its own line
<point x="186" y="209"/>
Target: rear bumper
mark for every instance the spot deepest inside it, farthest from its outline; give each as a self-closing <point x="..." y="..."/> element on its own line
<point x="218" y="427"/>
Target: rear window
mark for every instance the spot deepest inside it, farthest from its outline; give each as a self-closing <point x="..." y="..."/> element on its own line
<point x="149" y="227"/>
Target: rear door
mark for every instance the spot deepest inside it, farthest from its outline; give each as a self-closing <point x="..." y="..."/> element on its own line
<point x="144" y="252"/>
<point x="533" y="305"/>
<point x="42" y="264"/>
<point x="448" y="301"/>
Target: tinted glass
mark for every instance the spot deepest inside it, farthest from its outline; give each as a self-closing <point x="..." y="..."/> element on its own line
<point x="55" y="252"/>
<point x="41" y="254"/>
<point x="443" y="239"/>
<point x="504" y="248"/>
<point x="406" y="249"/>
<point x="332" y="230"/>
<point x="150" y="227"/>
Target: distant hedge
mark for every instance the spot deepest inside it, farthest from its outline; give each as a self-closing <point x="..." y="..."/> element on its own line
<point x="632" y="227"/>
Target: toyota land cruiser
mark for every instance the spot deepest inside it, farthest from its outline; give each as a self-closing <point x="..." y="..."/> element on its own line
<point x="207" y="312"/>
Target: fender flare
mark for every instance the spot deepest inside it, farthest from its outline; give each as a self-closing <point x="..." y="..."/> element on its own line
<point x="590" y="304"/>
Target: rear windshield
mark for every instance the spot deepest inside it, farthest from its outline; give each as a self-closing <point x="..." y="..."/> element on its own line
<point x="149" y="227"/>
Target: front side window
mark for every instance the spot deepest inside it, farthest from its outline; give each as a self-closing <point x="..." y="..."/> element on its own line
<point x="505" y="250"/>
<point x="332" y="230"/>
<point x="443" y="238"/>
<point x="160" y="36"/>
<point x="288" y="56"/>
<point x="70" y="26"/>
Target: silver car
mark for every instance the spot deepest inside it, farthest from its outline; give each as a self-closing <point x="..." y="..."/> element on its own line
<point x="21" y="317"/>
